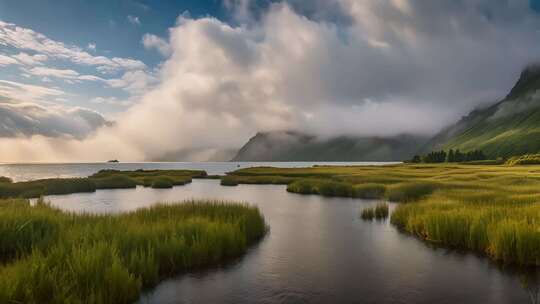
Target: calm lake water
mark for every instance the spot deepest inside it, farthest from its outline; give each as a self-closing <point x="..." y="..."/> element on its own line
<point x="317" y="251"/>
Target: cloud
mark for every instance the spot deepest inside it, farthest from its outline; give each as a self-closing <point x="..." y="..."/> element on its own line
<point x="27" y="59"/>
<point x="364" y="68"/>
<point x="111" y="101"/>
<point x="134" y="82"/>
<point x="154" y="42"/>
<point x="20" y="91"/>
<point x="30" y="119"/>
<point x="6" y="60"/>
<point x="26" y="39"/>
<point x="91" y="46"/>
<point x="134" y="20"/>
<point x="22" y="58"/>
<point x="62" y="73"/>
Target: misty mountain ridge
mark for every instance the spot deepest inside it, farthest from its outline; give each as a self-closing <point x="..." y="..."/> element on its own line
<point x="297" y="146"/>
<point x="508" y="127"/>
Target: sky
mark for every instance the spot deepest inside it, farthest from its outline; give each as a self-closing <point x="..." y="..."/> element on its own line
<point x="136" y="80"/>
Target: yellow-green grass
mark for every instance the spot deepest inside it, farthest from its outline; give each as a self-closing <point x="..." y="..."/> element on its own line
<point x="234" y="180"/>
<point x="48" y="256"/>
<point x="379" y="212"/>
<point x="491" y="209"/>
<point x="105" y="179"/>
<point x="147" y="178"/>
<point x="529" y="159"/>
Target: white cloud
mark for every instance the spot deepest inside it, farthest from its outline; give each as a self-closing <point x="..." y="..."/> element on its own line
<point x="21" y="91"/>
<point x="135" y="82"/>
<point x="154" y="42"/>
<point x="111" y="101"/>
<point x="134" y="20"/>
<point x="26" y="39"/>
<point x="29" y="119"/>
<point x="27" y="59"/>
<point x="91" y="46"/>
<point x="63" y="74"/>
<point x="6" y="60"/>
<point x="59" y="73"/>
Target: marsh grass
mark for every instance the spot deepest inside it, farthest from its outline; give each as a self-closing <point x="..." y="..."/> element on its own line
<point x="234" y="180"/>
<point x="529" y="159"/>
<point x="321" y="187"/>
<point x="53" y="257"/>
<point x="162" y="183"/>
<point x="369" y="191"/>
<point x="114" y="182"/>
<point x="379" y="212"/>
<point x="410" y="191"/>
<point x="105" y="179"/>
<point x="492" y="209"/>
<point x="46" y="187"/>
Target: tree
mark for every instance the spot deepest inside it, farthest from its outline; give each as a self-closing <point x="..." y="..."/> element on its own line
<point x="416" y="159"/>
<point x="450" y="158"/>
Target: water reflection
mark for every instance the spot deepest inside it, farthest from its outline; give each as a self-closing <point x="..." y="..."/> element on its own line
<point x="530" y="281"/>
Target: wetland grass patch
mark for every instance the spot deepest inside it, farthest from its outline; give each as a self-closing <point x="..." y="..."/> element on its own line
<point x="379" y="212"/>
<point x="105" y="179"/>
<point x="491" y="209"/>
<point x="48" y="256"/>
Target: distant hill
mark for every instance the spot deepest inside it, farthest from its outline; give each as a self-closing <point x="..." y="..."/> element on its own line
<point x="509" y="127"/>
<point x="295" y="146"/>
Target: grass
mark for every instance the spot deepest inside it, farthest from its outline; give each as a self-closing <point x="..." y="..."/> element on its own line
<point x="46" y="187"/>
<point x="162" y="183"/>
<point x="105" y="179"/>
<point x="48" y="256"/>
<point x="235" y="180"/>
<point x="114" y="182"/>
<point x="369" y="191"/>
<point x="529" y="159"/>
<point x="379" y="212"/>
<point x="491" y="209"/>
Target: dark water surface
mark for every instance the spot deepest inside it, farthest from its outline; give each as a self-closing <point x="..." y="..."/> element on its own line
<point x="317" y="251"/>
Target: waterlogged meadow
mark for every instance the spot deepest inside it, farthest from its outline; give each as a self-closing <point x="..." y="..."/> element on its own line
<point x="48" y="256"/>
<point x="491" y="209"/>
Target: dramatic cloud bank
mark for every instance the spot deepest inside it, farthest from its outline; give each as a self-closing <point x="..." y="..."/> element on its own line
<point x="327" y="67"/>
<point x="29" y="119"/>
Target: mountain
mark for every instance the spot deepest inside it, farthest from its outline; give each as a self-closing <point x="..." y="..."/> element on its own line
<point x="509" y="127"/>
<point x="295" y="146"/>
<point x="196" y="155"/>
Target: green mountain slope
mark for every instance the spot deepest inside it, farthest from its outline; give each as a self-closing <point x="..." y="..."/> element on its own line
<point x="294" y="146"/>
<point x="510" y="127"/>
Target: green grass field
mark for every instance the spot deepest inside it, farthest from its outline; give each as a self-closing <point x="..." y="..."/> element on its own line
<point x="48" y="256"/>
<point x="492" y="209"/>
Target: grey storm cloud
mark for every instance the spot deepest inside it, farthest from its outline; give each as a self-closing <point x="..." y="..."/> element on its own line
<point x="336" y="67"/>
<point x="29" y="119"/>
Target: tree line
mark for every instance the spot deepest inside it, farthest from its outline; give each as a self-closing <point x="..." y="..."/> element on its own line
<point x="449" y="157"/>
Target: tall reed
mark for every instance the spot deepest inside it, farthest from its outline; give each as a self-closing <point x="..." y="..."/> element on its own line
<point x="53" y="257"/>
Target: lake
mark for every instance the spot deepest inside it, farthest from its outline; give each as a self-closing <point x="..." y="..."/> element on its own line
<point x="317" y="251"/>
